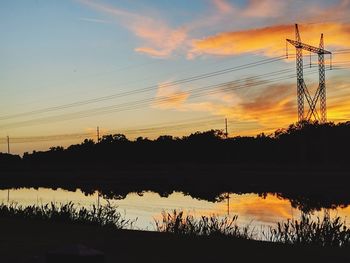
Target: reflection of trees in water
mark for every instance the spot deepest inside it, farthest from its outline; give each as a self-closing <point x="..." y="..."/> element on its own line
<point x="312" y="202"/>
<point x="302" y="198"/>
<point x="306" y="202"/>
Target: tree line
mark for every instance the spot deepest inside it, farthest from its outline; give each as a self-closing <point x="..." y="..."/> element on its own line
<point x="303" y="142"/>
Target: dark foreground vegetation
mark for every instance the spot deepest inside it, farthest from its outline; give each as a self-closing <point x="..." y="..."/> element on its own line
<point x="28" y="233"/>
<point x="306" y="163"/>
<point x="102" y="216"/>
<point x="325" y="232"/>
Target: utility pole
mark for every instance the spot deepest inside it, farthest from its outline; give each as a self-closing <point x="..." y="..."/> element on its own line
<point x="98" y="199"/>
<point x="8" y="144"/>
<point x="98" y="134"/>
<point x="228" y="203"/>
<point x="8" y="151"/>
<point x="226" y="132"/>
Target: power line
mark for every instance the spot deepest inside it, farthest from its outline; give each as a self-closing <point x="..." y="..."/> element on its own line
<point x="146" y="89"/>
<point x="227" y="86"/>
<point x="189" y="123"/>
<point x="195" y="93"/>
<point x="123" y="106"/>
<point x="127" y="93"/>
<point x="145" y="130"/>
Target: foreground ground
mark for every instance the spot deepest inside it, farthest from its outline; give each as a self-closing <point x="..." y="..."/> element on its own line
<point x="28" y="241"/>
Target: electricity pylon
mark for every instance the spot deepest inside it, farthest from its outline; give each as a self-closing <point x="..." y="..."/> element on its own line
<point x="302" y="90"/>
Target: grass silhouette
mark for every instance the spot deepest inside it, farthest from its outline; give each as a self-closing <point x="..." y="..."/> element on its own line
<point x="325" y="232"/>
<point x="178" y="223"/>
<point x="104" y="216"/>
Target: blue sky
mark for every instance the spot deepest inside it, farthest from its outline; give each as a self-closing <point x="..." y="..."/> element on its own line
<point x="55" y="53"/>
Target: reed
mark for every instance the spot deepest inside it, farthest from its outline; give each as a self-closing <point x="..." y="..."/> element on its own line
<point x="178" y="223"/>
<point x="325" y="232"/>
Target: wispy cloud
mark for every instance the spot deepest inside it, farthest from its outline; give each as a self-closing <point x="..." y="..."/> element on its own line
<point x="94" y="20"/>
<point x="162" y="41"/>
<point x="264" y="8"/>
<point x="159" y="40"/>
<point x="223" y="6"/>
<point x="171" y="97"/>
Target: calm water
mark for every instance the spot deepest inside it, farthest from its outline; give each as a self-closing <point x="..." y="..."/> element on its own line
<point x="250" y="208"/>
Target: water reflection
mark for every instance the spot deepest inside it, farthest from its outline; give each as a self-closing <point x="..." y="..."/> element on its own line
<point x="251" y="209"/>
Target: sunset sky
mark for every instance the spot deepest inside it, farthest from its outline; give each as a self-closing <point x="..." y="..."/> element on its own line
<point x="69" y="66"/>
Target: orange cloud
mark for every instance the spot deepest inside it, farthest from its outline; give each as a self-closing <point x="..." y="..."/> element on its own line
<point x="276" y="98"/>
<point x="271" y="40"/>
<point x="270" y="107"/>
<point x="247" y="105"/>
<point x="275" y="105"/>
<point x="272" y="100"/>
<point x="338" y="95"/>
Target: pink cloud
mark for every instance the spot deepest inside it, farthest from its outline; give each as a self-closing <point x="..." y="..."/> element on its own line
<point x="164" y="40"/>
<point x="159" y="39"/>
<point x="223" y="6"/>
<point x="264" y="8"/>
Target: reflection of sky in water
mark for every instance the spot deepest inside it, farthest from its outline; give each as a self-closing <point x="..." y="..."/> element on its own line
<point x="250" y="208"/>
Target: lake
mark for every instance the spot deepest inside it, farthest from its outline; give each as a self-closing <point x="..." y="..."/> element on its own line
<point x="251" y="208"/>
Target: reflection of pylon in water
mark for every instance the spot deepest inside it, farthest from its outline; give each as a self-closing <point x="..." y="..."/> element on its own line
<point x="302" y="90"/>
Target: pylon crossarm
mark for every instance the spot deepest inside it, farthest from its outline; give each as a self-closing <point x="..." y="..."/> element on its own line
<point x="307" y="47"/>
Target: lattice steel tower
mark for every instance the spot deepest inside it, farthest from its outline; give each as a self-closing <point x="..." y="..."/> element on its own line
<point x="302" y="90"/>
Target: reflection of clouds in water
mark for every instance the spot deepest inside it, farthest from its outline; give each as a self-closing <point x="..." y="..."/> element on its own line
<point x="248" y="207"/>
<point x="31" y="196"/>
<point x="343" y="213"/>
<point x="258" y="210"/>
